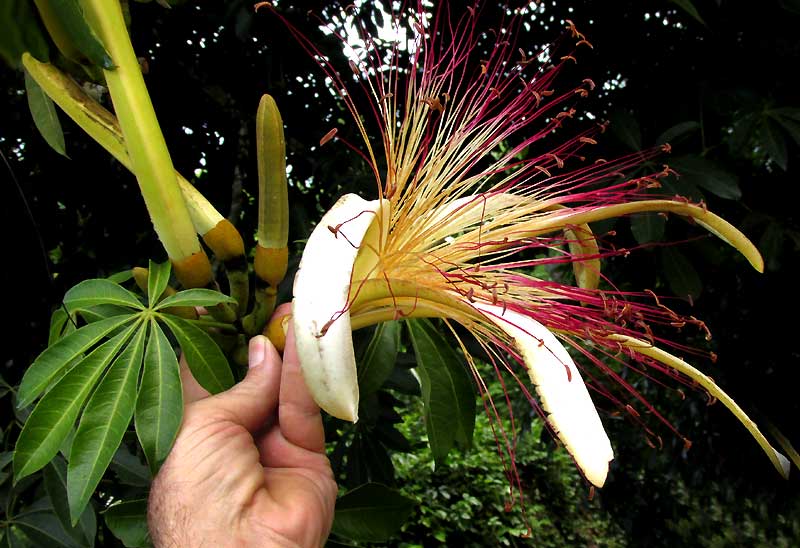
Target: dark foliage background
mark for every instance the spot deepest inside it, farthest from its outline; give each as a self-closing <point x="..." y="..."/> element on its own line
<point x="721" y="71"/>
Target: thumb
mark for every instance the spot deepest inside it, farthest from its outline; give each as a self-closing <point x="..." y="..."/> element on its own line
<point x="254" y="399"/>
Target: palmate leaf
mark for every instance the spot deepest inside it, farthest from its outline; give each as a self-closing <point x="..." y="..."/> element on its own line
<point x="159" y="405"/>
<point x="157" y="280"/>
<point x="54" y="416"/>
<point x="103" y="424"/>
<point x="195" y="297"/>
<point x="206" y="361"/>
<point x="447" y="392"/>
<point x="99" y="291"/>
<point x="55" y="357"/>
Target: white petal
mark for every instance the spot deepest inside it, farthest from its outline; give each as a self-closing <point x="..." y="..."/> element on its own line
<point x="561" y="390"/>
<point x="321" y="291"/>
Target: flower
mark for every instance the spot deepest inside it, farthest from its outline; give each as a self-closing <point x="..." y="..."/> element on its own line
<point x="470" y="202"/>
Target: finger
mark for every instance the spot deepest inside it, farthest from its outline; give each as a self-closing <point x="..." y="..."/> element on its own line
<point x="298" y="414"/>
<point x="255" y="398"/>
<point x="192" y="391"/>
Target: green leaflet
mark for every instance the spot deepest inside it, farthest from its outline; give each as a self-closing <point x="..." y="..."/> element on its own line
<point x="128" y="521"/>
<point x="100" y="291"/>
<point x="371" y="513"/>
<point x="102" y="311"/>
<point x="103" y="424"/>
<point x="157" y="281"/>
<point x="703" y="173"/>
<point x="43" y="528"/>
<point x="55" y="357"/>
<point x="54" y="416"/>
<point x="379" y="358"/>
<point x="159" y="405"/>
<point x="683" y="279"/>
<point x="206" y="361"/>
<point x="195" y="297"/>
<point x="689" y="8"/>
<point x="55" y="483"/>
<point x="648" y="227"/>
<point x="60" y="325"/>
<point x="71" y="19"/>
<point x="44" y="115"/>
<point x="447" y="392"/>
<point x="21" y="32"/>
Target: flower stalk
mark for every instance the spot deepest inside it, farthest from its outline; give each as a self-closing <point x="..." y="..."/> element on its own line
<point x="148" y="152"/>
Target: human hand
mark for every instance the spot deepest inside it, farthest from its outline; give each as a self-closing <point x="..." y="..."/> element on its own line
<point x="248" y="467"/>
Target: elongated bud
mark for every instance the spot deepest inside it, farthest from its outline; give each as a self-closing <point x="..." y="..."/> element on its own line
<point x="273" y="200"/>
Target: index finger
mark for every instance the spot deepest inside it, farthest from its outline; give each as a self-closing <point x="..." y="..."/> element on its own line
<point x="298" y="414"/>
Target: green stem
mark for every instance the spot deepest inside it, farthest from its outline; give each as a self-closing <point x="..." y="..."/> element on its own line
<point x="146" y="146"/>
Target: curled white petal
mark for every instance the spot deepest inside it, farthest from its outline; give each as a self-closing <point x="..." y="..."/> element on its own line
<point x="562" y="392"/>
<point x="321" y="292"/>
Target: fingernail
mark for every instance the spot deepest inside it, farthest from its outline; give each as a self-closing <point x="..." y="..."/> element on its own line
<point x="258" y="349"/>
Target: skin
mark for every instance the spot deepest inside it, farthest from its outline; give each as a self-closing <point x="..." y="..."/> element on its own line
<point x="248" y="467"/>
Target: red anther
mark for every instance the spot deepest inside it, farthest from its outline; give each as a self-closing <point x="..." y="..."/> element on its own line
<point x="589" y="82"/>
<point x="591" y="492"/>
<point x="584" y="42"/>
<point x="681" y="393"/>
<point x="687" y="444"/>
<point x="547" y="93"/>
<point x="470" y="295"/>
<point x="571" y="27"/>
<point x="601" y="161"/>
<point x="587" y="140"/>
<point x="259" y="5"/>
<point x="569" y="58"/>
<point x="354" y="68"/>
<point x="667" y="171"/>
<point x="386" y="96"/>
<point x="666" y="147"/>
<point x="713" y="357"/>
<point x="495" y="91"/>
<point x="328" y="136"/>
<point x="650" y="443"/>
<point x="582" y="92"/>
<point x="559" y="161"/>
<point x="632" y="411"/>
<point x="334" y="230"/>
<point x="543" y="170"/>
